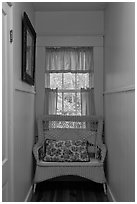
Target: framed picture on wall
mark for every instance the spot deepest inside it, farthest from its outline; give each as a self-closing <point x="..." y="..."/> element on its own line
<point x="28" y="50"/>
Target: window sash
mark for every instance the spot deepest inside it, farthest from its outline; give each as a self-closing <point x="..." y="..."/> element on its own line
<point x="91" y="79"/>
<point x="75" y="90"/>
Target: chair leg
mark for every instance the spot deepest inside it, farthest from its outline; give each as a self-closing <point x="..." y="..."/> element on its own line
<point x="105" y="188"/>
<point x="34" y="187"/>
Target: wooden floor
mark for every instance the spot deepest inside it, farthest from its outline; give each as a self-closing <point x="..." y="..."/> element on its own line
<point x="69" y="191"/>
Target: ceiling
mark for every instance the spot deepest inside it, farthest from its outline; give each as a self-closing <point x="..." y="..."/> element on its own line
<point x="69" y="6"/>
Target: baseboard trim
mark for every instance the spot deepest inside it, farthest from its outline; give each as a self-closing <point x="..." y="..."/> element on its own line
<point x="110" y="195"/>
<point x="29" y="195"/>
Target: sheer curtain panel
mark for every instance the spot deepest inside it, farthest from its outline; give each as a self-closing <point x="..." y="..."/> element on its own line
<point x="50" y="101"/>
<point x="87" y="101"/>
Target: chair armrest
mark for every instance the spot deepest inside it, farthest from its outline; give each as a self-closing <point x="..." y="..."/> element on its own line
<point x="103" y="152"/>
<point x="35" y="151"/>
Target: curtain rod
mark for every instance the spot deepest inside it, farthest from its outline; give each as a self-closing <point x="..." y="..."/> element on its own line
<point x="57" y="47"/>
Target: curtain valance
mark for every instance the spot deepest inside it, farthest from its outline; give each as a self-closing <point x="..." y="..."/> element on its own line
<point x="69" y="59"/>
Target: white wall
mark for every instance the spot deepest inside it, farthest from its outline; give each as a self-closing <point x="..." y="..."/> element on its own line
<point x="69" y="29"/>
<point x="119" y="102"/>
<point x="70" y="23"/>
<point x="24" y="104"/>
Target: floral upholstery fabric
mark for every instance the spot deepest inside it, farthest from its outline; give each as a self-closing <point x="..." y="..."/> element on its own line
<point x="69" y="150"/>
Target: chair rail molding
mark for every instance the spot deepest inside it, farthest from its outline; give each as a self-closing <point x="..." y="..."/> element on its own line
<point x="120" y="90"/>
<point x="25" y="90"/>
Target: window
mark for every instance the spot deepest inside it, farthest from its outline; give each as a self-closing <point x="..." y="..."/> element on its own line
<point x="69" y="77"/>
<point x="69" y="90"/>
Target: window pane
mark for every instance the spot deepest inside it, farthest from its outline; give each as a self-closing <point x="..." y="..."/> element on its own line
<point x="82" y="80"/>
<point x="59" y="104"/>
<point x="78" y="104"/>
<point x="69" y="104"/>
<point x="56" y="80"/>
<point x="69" y="81"/>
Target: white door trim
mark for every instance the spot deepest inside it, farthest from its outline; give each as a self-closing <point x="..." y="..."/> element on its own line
<point x="7" y="6"/>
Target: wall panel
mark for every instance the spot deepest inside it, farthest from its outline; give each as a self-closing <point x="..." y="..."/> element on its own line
<point x="119" y="99"/>
<point x="24" y="110"/>
<point x="120" y="139"/>
<point x="23" y="143"/>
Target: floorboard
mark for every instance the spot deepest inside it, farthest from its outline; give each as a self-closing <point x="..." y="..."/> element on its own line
<point x="69" y="191"/>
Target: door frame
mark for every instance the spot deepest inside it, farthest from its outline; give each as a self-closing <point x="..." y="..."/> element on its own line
<point x="10" y="105"/>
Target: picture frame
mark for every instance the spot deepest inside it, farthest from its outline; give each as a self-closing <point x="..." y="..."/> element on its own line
<point x="28" y="50"/>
